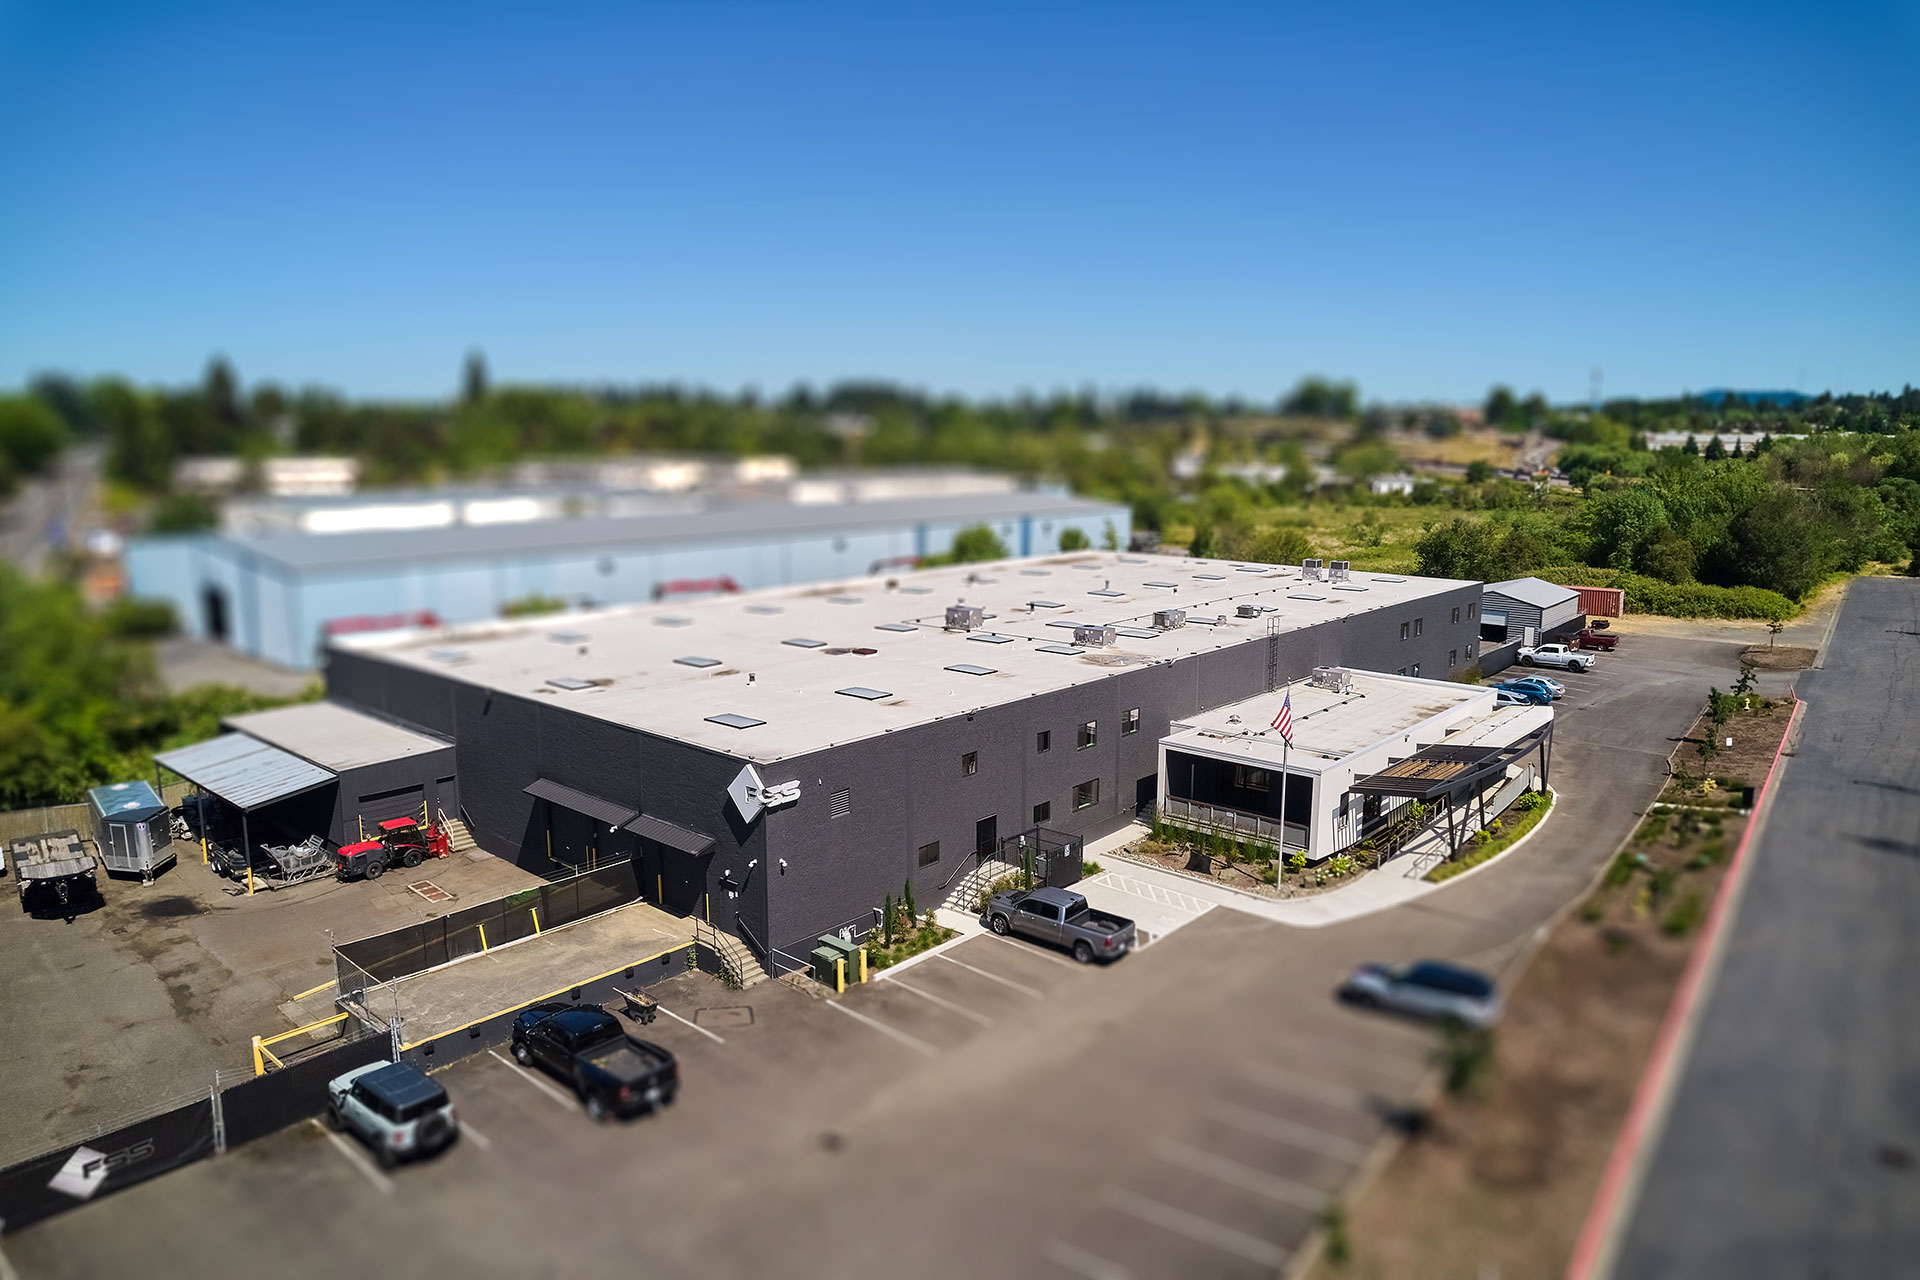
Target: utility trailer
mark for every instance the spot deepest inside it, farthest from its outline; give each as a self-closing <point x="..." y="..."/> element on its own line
<point x="132" y="828"/>
<point x="54" y="873"/>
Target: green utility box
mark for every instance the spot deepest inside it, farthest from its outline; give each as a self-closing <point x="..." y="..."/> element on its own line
<point x="845" y="950"/>
<point x="826" y="965"/>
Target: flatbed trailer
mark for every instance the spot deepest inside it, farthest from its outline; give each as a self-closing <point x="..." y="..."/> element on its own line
<point x="54" y="870"/>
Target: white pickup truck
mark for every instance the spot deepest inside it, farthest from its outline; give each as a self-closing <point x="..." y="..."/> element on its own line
<point x="1556" y="655"/>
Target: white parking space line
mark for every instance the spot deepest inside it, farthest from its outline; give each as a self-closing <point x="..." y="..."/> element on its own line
<point x="994" y="977"/>
<point x="1194" y="1227"/>
<point x="1157" y="893"/>
<point x="355" y="1157"/>
<point x="528" y="1075"/>
<point x="1300" y="1084"/>
<point x="1032" y="949"/>
<point x="1245" y="1177"/>
<point x="943" y="1002"/>
<point x="1082" y="1263"/>
<point x="696" y="1026"/>
<point x="1262" y="1125"/>
<point x="917" y="1045"/>
<point x="468" y="1131"/>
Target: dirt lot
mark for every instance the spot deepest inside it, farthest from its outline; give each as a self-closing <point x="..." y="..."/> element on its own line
<point x="1783" y="657"/>
<point x="1500" y="1181"/>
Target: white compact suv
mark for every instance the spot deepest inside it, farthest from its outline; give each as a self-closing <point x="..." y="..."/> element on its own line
<point x="396" y="1109"/>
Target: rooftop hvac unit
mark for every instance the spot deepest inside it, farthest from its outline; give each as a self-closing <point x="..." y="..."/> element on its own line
<point x="1098" y="637"/>
<point x="1310" y="569"/>
<point x="1168" y="619"/>
<point x="1338" y="679"/>
<point x="1340" y="570"/>
<point x="1247" y="611"/>
<point x="965" y="617"/>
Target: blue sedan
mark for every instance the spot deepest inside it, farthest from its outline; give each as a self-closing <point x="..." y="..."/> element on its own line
<point x="1538" y="694"/>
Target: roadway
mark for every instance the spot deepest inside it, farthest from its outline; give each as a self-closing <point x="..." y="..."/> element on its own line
<point x="1792" y="1143"/>
<point x="994" y="1110"/>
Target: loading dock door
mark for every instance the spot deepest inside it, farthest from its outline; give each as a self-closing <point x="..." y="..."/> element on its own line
<point x="401" y="802"/>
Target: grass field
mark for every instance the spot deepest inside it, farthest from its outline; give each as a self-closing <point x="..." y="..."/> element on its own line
<point x="1497" y="448"/>
<point x="1375" y="538"/>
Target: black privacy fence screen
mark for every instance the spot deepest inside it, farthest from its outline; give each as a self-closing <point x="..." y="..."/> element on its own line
<point x="416" y="948"/>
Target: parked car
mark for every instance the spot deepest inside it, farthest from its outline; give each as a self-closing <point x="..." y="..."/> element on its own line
<point x="1555" y="655"/>
<point x="1592" y="639"/>
<point x="1063" y="918"/>
<point x="1538" y="684"/>
<point x="1546" y="682"/>
<point x="1507" y="698"/>
<point x="1430" y="989"/>
<point x="396" y="1109"/>
<point x="1538" y="694"/>
<point x="610" y="1071"/>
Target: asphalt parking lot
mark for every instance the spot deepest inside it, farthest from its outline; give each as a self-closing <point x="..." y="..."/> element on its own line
<point x="149" y="995"/>
<point x="992" y="1110"/>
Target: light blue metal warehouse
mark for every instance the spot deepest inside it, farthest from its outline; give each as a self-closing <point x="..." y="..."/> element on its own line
<point x="275" y="597"/>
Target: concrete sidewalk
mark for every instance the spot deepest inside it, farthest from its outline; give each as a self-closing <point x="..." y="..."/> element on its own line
<point x="1400" y="880"/>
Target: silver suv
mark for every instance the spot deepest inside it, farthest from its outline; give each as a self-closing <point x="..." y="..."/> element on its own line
<point x="396" y="1109"/>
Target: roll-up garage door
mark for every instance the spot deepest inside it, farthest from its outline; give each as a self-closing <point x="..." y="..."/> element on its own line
<point x="402" y="802"/>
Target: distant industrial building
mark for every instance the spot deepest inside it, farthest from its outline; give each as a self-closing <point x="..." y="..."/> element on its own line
<point x="464" y="557"/>
<point x="1527" y="609"/>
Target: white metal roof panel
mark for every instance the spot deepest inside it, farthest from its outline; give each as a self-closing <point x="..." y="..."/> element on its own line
<point x="334" y="737"/>
<point x="244" y="771"/>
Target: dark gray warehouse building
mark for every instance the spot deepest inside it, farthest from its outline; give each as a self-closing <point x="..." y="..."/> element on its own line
<point x="780" y="761"/>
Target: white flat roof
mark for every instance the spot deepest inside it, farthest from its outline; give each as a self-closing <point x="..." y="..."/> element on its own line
<point x="798" y="669"/>
<point x="1328" y="726"/>
<point x="332" y="736"/>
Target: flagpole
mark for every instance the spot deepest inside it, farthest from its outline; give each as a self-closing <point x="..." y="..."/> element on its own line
<point x="1286" y="749"/>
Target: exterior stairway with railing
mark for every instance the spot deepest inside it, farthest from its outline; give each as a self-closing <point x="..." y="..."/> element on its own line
<point x="966" y="893"/>
<point x="735" y="955"/>
<point x="459" y="838"/>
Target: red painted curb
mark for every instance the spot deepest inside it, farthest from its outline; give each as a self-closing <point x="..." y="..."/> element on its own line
<point x="1653" y="1081"/>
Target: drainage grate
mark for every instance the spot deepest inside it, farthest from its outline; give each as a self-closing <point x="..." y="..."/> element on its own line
<point x="430" y="891"/>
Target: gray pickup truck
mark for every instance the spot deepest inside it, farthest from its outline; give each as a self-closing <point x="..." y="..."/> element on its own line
<point x="1063" y="918"/>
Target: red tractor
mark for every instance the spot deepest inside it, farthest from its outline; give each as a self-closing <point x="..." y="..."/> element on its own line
<point x="400" y="843"/>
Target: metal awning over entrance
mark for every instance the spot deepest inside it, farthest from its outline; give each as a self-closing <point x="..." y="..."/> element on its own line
<point x="1456" y="774"/>
<point x="614" y="815"/>
<point x="674" y="836"/>
<point x="243" y="771"/>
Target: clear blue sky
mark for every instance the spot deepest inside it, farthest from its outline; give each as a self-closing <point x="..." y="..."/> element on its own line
<point x="966" y="197"/>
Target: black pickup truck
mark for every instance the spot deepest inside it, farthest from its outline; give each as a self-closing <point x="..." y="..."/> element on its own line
<point x="613" y="1073"/>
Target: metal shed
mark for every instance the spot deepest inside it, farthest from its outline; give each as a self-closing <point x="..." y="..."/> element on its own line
<point x="1524" y="605"/>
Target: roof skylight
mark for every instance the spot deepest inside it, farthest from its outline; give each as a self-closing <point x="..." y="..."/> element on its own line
<point x="861" y="691"/>
<point x="570" y="683"/>
<point x="987" y="637"/>
<point x="698" y="662"/>
<point x="802" y="642"/>
<point x="896" y="626"/>
<point x="968" y="669"/>
<point x="734" y="721"/>
<point x="1057" y="648"/>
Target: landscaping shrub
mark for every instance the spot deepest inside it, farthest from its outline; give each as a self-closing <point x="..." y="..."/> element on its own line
<point x="1685" y="915"/>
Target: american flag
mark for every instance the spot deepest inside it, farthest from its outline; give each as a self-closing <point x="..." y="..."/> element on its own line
<point x="1284" y="720"/>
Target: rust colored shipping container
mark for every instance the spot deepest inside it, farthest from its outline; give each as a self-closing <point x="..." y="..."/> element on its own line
<point x="1601" y="602"/>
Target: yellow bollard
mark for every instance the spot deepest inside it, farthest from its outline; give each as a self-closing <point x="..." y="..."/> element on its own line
<point x="249" y="874"/>
<point x="203" y="848"/>
<point x="535" y="913"/>
<point x="707" y="907"/>
<point x="259" y="1067"/>
<point x="840" y="973"/>
<point x="483" y="939"/>
<point x="863" y="964"/>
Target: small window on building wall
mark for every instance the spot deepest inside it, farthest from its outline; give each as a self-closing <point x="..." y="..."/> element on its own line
<point x="1043" y="740"/>
<point x="1130" y="722"/>
<point x="1042" y="812"/>
<point x="1405" y="630"/>
<point x="1087" y="794"/>
<point x="1419" y="626"/>
<point x="1416" y="668"/>
<point x="1453" y="659"/>
<point x="929" y="854"/>
<point x="969" y="764"/>
<point x="1249" y="779"/>
<point x="1089" y="734"/>
<point x="1469" y="648"/>
<point x="1456" y="615"/>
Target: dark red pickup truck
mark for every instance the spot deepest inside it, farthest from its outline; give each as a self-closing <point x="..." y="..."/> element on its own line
<point x="1591" y="639"/>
